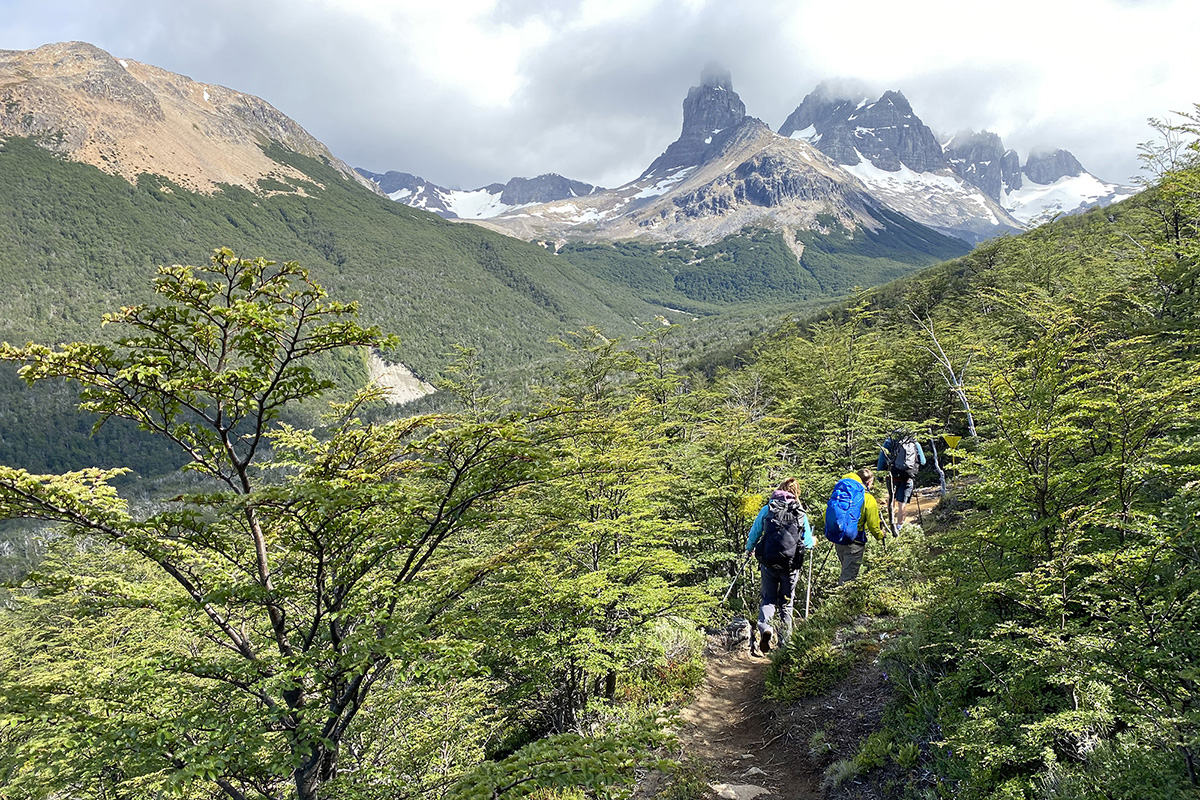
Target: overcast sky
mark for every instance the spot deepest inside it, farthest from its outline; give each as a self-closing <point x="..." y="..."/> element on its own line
<point x="470" y="92"/>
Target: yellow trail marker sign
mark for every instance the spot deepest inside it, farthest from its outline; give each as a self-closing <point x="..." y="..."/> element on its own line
<point x="951" y="440"/>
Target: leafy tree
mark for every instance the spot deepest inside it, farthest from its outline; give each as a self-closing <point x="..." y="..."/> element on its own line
<point x="829" y="384"/>
<point x="582" y="617"/>
<point x="286" y="590"/>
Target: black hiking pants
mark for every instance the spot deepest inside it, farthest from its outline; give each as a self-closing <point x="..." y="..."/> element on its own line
<point x="778" y="592"/>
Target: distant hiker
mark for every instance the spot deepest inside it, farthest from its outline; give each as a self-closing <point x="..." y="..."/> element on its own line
<point x="779" y="537"/>
<point x="851" y="512"/>
<point x="903" y="457"/>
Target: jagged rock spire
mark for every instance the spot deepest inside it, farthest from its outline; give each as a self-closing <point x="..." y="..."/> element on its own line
<point x="711" y="111"/>
<point x="1046" y="168"/>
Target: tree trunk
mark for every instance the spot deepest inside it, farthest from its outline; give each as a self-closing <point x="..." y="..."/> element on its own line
<point x="938" y="465"/>
<point x="315" y="772"/>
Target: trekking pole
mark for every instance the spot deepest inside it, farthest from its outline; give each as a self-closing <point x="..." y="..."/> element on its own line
<point x="920" y="514"/>
<point x="737" y="576"/>
<point x="808" y="589"/>
<point x="826" y="559"/>
<point x="891" y="491"/>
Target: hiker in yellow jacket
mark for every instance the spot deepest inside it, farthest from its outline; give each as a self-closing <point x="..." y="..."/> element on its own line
<point x="852" y="513"/>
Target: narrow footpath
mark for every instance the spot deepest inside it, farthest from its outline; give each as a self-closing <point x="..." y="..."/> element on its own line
<point x="748" y="751"/>
<point x="747" y="747"/>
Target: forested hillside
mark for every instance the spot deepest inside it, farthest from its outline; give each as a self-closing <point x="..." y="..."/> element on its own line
<point x="1050" y="647"/>
<point x="75" y="243"/>
<point x="493" y="600"/>
<point x="760" y="267"/>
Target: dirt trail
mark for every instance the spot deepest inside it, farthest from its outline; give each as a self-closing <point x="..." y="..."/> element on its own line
<point x="755" y="749"/>
<point x="750" y="752"/>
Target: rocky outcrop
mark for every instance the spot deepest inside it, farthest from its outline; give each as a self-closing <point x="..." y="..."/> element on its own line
<point x="543" y="189"/>
<point x="885" y="131"/>
<point x="417" y="192"/>
<point x="979" y="159"/>
<point x="1010" y="171"/>
<point x="1045" y="168"/>
<point x="392" y="181"/>
<point x="412" y="190"/>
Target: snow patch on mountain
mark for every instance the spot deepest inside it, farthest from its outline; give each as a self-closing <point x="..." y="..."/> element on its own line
<point x="938" y="199"/>
<point x="664" y="185"/>
<point x="809" y="135"/>
<point x="1036" y="203"/>
<point x="477" y="204"/>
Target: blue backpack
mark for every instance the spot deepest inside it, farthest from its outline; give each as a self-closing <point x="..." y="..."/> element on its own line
<point x="842" y="513"/>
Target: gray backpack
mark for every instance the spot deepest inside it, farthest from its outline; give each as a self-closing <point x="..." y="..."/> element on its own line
<point x="908" y="456"/>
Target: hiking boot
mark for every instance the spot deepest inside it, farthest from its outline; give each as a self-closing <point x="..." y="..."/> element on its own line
<point x="764" y="641"/>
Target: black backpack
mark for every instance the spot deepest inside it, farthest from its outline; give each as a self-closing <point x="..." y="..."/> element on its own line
<point x="781" y="535"/>
<point x="906" y="456"/>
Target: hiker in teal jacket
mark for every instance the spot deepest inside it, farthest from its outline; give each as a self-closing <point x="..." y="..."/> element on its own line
<point x="779" y="537"/>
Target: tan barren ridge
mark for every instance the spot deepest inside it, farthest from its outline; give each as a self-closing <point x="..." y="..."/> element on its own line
<point x="129" y="118"/>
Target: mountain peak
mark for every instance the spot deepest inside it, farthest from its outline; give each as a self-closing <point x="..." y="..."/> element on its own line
<point x="712" y="111"/>
<point x="845" y="124"/>
<point x="841" y="89"/>
<point x="715" y="76"/>
<point x="1047" y="167"/>
<point x="981" y="159"/>
<point x="711" y="107"/>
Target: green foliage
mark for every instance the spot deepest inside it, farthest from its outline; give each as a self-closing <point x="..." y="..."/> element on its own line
<point x="758" y="266"/>
<point x="689" y="781"/>
<point x="876" y="751"/>
<point x="604" y="766"/>
<point x="839" y="772"/>
<point x="841" y="260"/>
<point x="286" y="608"/>
<point x="1050" y="659"/>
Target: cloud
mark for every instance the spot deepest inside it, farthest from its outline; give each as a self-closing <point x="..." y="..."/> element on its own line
<point x="477" y="91"/>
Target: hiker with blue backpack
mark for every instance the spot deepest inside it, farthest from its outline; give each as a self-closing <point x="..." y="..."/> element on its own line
<point x="779" y="538"/>
<point x="903" y="457"/>
<point x="851" y="513"/>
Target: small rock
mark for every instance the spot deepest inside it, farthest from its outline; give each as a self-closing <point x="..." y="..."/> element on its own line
<point x="738" y="791"/>
<point x="753" y="772"/>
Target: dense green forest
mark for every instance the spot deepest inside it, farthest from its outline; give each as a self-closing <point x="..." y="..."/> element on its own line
<point x="499" y="599"/>
<point x="757" y="266"/>
<point x="78" y="241"/>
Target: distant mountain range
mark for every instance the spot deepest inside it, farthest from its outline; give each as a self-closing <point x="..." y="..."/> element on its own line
<point x="837" y="145"/>
<point x="483" y="203"/>
<point x="109" y="167"/>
